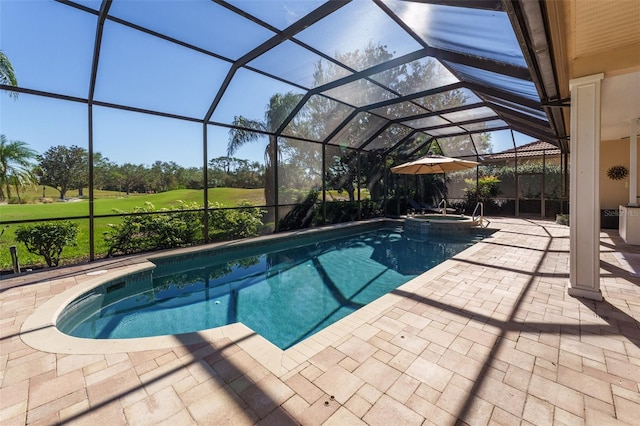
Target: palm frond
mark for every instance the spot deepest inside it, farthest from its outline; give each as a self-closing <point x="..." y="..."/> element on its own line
<point x="280" y="106"/>
<point x="17" y="161"/>
<point x="243" y="133"/>
<point x="7" y="74"/>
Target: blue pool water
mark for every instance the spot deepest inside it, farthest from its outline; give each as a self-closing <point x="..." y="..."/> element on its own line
<point x="284" y="295"/>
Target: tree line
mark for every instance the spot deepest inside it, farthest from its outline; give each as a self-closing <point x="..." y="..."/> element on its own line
<point x="66" y="168"/>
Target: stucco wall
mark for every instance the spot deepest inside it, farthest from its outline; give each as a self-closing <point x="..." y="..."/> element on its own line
<point x="614" y="192"/>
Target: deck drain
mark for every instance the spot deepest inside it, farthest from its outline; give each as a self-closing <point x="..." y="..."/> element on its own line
<point x="326" y="403"/>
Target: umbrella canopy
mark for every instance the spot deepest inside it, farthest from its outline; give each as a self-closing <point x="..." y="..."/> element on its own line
<point x="432" y="164"/>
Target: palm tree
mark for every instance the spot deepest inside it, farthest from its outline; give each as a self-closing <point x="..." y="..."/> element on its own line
<point x="17" y="162"/>
<point x="7" y="75"/>
<point x="280" y="105"/>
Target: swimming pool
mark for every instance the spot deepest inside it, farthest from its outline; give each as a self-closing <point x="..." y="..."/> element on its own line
<point x="285" y="292"/>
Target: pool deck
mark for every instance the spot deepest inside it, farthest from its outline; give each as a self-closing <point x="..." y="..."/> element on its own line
<point x="488" y="337"/>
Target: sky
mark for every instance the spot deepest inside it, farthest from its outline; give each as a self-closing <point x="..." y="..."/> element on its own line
<point x="51" y="46"/>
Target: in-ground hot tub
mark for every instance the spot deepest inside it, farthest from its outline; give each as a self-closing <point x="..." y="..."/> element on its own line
<point x="422" y="224"/>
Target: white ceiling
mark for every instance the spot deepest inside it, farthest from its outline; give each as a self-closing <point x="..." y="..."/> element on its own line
<point x="620" y="102"/>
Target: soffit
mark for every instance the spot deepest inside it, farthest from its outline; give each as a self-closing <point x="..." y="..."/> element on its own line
<point x="591" y="37"/>
<point x="620" y="102"/>
<point x="598" y="36"/>
<point x="602" y="25"/>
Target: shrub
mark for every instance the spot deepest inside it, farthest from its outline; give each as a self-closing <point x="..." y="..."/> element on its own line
<point x="487" y="188"/>
<point x="293" y="195"/>
<point x="370" y="208"/>
<point x="146" y="231"/>
<point x="339" y="211"/>
<point x="48" y="239"/>
<point x="302" y="215"/>
<point x="234" y="223"/>
<point x="150" y="229"/>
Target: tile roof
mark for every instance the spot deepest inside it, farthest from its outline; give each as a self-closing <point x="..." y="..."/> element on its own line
<point x="532" y="149"/>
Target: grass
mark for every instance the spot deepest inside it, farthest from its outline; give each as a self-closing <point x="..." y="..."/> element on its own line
<point x="36" y="207"/>
<point x="104" y="203"/>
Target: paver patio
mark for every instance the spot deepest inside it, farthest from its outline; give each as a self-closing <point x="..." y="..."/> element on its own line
<point x="488" y="337"/>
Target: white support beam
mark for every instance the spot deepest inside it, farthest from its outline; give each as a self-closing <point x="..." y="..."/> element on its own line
<point x="633" y="162"/>
<point x="629" y="226"/>
<point x="584" y="201"/>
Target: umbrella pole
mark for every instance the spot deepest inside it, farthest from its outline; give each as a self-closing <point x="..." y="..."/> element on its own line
<point x="406" y="194"/>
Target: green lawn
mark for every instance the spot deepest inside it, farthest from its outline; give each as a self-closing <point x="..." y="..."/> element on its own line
<point x="105" y="202"/>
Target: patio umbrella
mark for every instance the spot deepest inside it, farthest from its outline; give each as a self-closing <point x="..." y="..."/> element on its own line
<point x="432" y="164"/>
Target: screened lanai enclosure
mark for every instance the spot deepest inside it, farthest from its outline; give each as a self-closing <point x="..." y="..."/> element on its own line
<point x="297" y="108"/>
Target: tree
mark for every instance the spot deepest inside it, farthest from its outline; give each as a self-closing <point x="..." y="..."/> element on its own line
<point x="7" y="74"/>
<point x="64" y="168"/>
<point x="248" y="174"/>
<point x="407" y="78"/>
<point x="17" y="162"/>
<point x="81" y="178"/>
<point x="342" y="170"/>
<point x="235" y="173"/>
<point x="164" y="176"/>
<point x="219" y="172"/>
<point x="280" y="105"/>
<point x="132" y="177"/>
<point x="100" y="166"/>
<point x="191" y="178"/>
<point x="299" y="161"/>
<point x="103" y="170"/>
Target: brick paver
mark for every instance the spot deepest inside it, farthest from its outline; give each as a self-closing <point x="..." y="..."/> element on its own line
<point x="489" y="337"/>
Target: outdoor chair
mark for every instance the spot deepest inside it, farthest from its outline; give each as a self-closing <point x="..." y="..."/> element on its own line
<point x="415" y="205"/>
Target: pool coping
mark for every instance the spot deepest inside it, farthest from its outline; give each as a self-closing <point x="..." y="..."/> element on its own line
<point x="39" y="330"/>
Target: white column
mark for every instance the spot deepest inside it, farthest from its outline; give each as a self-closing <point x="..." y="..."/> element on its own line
<point x="633" y="162"/>
<point x="584" y="198"/>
